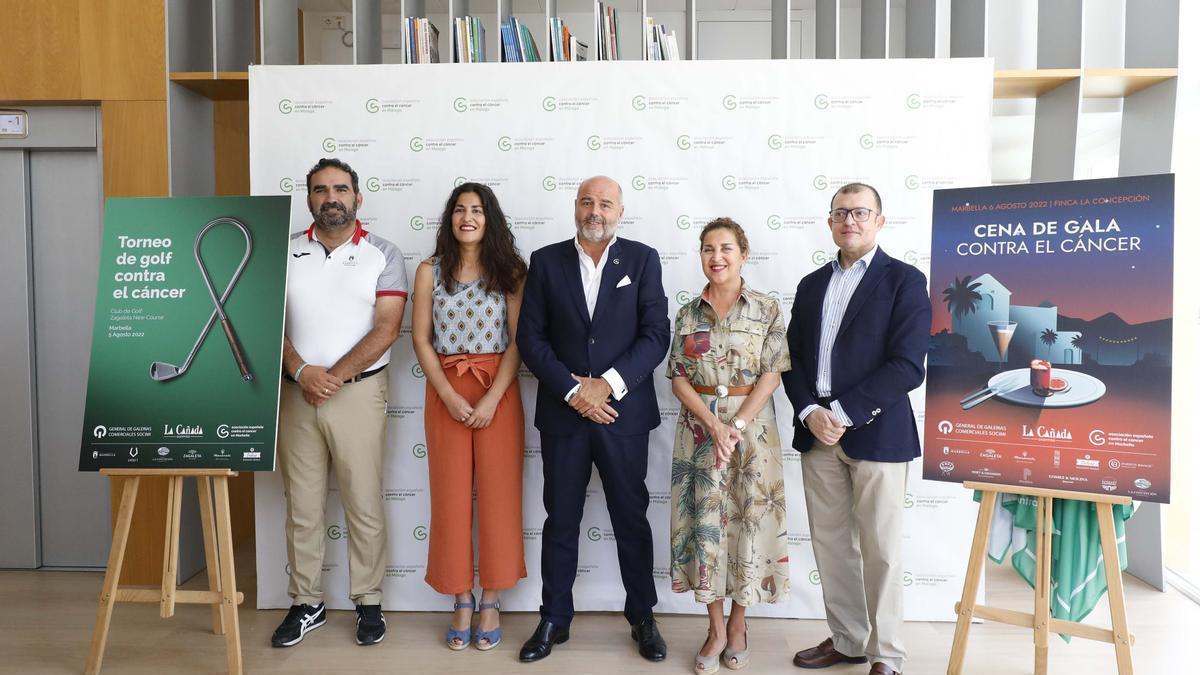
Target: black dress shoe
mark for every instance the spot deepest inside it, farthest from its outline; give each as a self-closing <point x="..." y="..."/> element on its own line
<point x="544" y="637"/>
<point x="651" y="644"/>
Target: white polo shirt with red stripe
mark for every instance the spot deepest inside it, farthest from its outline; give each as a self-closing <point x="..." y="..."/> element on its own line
<point x="331" y="293"/>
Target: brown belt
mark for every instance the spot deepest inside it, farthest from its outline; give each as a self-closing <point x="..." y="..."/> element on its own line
<point x="743" y="390"/>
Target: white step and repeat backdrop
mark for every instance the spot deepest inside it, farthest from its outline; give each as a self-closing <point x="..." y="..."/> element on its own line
<point x="763" y="142"/>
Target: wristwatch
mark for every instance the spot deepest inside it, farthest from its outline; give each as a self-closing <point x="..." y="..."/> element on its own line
<point x="739" y="424"/>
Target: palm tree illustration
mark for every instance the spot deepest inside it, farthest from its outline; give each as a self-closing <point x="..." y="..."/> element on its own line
<point x="961" y="297"/>
<point x="1078" y="342"/>
<point x="1048" y="338"/>
<point x="697" y="488"/>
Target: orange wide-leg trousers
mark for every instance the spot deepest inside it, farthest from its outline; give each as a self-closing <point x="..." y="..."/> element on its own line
<point x="492" y="459"/>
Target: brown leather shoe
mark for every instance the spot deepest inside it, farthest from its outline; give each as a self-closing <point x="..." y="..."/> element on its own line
<point x="823" y="656"/>
<point x="882" y="669"/>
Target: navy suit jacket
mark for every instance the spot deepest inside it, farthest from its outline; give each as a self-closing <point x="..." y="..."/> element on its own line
<point x="628" y="331"/>
<point x="878" y="357"/>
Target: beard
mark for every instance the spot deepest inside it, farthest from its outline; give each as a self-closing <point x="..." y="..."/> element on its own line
<point x="588" y="232"/>
<point x="334" y="216"/>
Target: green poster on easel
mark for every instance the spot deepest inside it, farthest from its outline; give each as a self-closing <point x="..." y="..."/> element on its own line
<point x="188" y="334"/>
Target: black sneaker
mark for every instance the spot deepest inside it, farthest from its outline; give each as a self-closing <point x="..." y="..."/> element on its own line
<point x="371" y="625"/>
<point x="300" y="619"/>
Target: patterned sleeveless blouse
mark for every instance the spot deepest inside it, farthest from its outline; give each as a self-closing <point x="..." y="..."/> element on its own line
<point x="469" y="320"/>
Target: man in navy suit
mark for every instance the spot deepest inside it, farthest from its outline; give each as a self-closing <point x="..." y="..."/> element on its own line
<point x="858" y="336"/>
<point x="593" y="328"/>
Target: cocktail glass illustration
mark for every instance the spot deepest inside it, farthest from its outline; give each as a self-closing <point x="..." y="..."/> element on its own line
<point x="1002" y="332"/>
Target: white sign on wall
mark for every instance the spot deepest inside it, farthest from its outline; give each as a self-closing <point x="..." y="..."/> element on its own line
<point x="764" y="142"/>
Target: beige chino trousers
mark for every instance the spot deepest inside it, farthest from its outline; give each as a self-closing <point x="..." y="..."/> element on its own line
<point x="347" y="431"/>
<point x="855" y="514"/>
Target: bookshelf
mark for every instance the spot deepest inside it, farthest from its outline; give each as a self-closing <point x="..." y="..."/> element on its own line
<point x="1053" y="67"/>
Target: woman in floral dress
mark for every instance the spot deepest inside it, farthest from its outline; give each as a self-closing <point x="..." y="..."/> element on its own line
<point x="728" y="518"/>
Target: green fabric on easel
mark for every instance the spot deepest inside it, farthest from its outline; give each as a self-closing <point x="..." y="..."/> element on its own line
<point x="1077" y="579"/>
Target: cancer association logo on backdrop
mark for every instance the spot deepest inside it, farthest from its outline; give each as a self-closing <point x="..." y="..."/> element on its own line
<point x="463" y="104"/>
<point x="735" y="102"/>
<point x="287" y="106"/>
<point x="643" y="103"/>
<point x="376" y="106"/>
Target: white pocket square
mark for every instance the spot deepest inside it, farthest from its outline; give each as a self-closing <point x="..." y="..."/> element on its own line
<point x="624" y="281"/>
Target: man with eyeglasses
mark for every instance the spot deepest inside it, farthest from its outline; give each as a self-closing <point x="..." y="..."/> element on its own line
<point x="858" y="335"/>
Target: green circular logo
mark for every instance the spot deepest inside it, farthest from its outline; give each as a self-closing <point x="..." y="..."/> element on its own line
<point x="287" y="184"/>
<point x="549" y="184"/>
<point x="372" y="184"/>
<point x="908" y="578"/>
<point x="420" y="533"/>
<point x="329" y="145"/>
<point x="821" y="101"/>
<point x="504" y="143"/>
<point x="638" y="103"/>
<point x="866" y="141"/>
<point x="459" y="104"/>
<point x="912" y="182"/>
<point x="416" y="370"/>
<point x="416" y="144"/>
<point x="416" y="223"/>
<point x="729" y="102"/>
<point x="820" y="257"/>
<point x="820" y="181"/>
<point x="638" y="183"/>
<point x="549" y="104"/>
<point x="908" y="500"/>
<point x="911" y="258"/>
<point x="372" y="105"/>
<point x="774" y="222"/>
<point x="683" y="297"/>
<point x="683" y="223"/>
<point x="593" y="533"/>
<point x="335" y="532"/>
<point x="913" y="101"/>
<point x="814" y="578"/>
<point x="683" y="142"/>
<point x="459" y="180"/>
<point x="285" y="106"/>
<point x="593" y="142"/>
<point x="419" y="450"/>
<point x="729" y="183"/>
<point x="774" y="141"/>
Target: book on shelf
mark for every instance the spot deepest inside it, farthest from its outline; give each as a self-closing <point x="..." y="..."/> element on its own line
<point x="563" y="44"/>
<point x="517" y="43"/>
<point x="607" y="30"/>
<point x="660" y="44"/>
<point x="469" y="40"/>
<point x="420" y="40"/>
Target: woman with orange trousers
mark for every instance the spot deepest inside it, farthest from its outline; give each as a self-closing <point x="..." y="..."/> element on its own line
<point x="465" y="304"/>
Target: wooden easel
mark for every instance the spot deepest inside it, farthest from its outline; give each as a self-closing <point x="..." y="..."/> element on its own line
<point x="1040" y="621"/>
<point x="222" y="593"/>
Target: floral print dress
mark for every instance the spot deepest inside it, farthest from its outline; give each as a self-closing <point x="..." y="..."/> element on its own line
<point x="729" y="526"/>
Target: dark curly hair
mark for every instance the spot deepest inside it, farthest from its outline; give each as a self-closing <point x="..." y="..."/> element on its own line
<point x="503" y="268"/>
<point x="325" y="163"/>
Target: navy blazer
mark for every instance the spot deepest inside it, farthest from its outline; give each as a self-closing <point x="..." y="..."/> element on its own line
<point x="629" y="331"/>
<point x="878" y="357"/>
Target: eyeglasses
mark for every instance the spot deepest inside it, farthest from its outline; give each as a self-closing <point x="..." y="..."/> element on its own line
<point x="860" y="214"/>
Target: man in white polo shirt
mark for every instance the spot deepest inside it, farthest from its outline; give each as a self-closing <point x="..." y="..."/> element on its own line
<point x="345" y="299"/>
